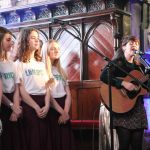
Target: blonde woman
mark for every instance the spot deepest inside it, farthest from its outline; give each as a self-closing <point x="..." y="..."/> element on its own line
<point x="59" y="115"/>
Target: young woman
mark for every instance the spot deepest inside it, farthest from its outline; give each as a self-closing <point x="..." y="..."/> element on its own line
<point x="59" y="117"/>
<point x="130" y="125"/>
<point x="10" y="108"/>
<point x="32" y="78"/>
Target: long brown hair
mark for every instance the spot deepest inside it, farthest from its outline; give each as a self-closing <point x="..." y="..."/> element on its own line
<point x="3" y="31"/>
<point x="23" y="47"/>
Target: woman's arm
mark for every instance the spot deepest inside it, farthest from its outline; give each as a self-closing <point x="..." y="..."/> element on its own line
<point x="56" y="106"/>
<point x="9" y="103"/>
<point x="6" y="101"/>
<point x="45" y="109"/>
<point x="68" y="100"/>
<point x="16" y="100"/>
<point x="15" y="105"/>
<point x="16" y="97"/>
<point x="117" y="82"/>
<point x="1" y="91"/>
<point x="28" y="100"/>
<point x="64" y="116"/>
<point x="47" y="98"/>
<point x="115" y="73"/>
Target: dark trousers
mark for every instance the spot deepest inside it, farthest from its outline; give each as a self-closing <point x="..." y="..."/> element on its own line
<point x="130" y="138"/>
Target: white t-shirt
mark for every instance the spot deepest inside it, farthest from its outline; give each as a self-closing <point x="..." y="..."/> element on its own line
<point x="7" y="74"/>
<point x="59" y="89"/>
<point x="34" y="76"/>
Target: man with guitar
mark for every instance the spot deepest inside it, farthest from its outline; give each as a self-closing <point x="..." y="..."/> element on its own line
<point x="129" y="115"/>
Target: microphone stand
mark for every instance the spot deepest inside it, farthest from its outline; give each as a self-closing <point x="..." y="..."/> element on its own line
<point x="145" y="63"/>
<point x="147" y="67"/>
<point x="109" y="77"/>
<point x="110" y="108"/>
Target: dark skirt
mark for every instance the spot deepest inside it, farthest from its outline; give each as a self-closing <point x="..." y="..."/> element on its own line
<point x="134" y="119"/>
<point x="36" y="130"/>
<point x="11" y="134"/>
<point x="62" y="136"/>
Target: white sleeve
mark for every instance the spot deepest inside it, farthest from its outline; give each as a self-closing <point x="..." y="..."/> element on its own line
<point x="18" y="72"/>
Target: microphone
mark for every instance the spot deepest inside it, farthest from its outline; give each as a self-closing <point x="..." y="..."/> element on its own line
<point x="139" y="52"/>
<point x="57" y="21"/>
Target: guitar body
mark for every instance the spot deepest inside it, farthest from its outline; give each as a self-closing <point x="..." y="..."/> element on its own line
<point x="122" y="100"/>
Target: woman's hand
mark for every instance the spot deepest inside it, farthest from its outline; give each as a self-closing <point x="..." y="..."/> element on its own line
<point x="38" y="110"/>
<point x="44" y="111"/>
<point x="17" y="109"/>
<point x="13" y="117"/>
<point x="63" y="118"/>
<point x="129" y="86"/>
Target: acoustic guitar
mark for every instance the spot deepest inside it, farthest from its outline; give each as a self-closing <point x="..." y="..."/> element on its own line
<point x="122" y="99"/>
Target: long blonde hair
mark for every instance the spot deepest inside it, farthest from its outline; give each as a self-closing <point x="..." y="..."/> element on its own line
<point x="56" y="62"/>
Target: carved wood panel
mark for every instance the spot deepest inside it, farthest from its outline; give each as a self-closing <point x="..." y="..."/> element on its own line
<point x="102" y="41"/>
<point x="70" y="53"/>
<point x="86" y="99"/>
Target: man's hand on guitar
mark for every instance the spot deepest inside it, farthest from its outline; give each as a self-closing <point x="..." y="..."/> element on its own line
<point x="129" y="86"/>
